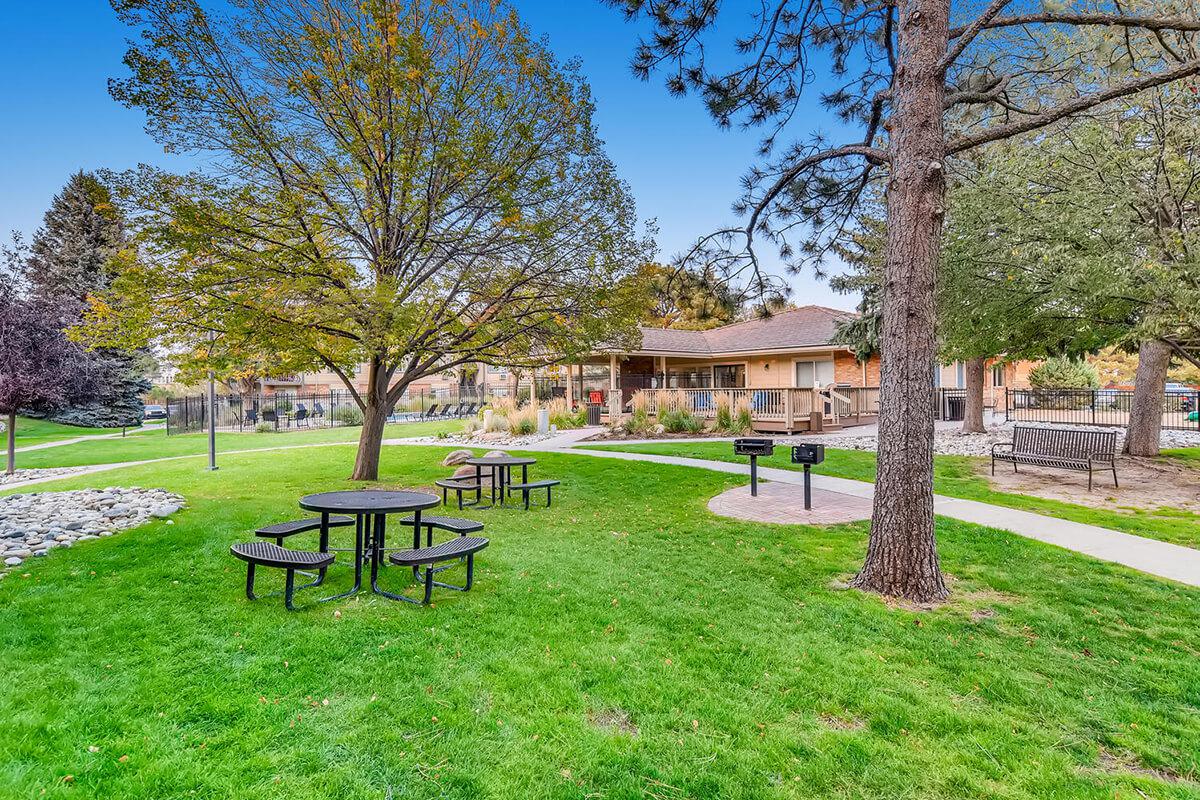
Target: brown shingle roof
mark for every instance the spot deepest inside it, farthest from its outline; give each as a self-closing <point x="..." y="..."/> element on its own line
<point x="807" y="326"/>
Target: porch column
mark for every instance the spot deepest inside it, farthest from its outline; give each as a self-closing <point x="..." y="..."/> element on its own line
<point x="570" y="389"/>
<point x="662" y="369"/>
<point x="614" y="391"/>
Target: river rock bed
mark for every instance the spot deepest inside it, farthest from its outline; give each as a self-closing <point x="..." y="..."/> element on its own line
<point x="23" y="475"/>
<point x="33" y="524"/>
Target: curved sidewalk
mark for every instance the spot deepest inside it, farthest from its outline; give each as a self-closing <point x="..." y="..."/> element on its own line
<point x="1163" y="559"/>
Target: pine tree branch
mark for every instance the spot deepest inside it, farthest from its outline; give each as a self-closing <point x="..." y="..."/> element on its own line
<point x="1149" y="23"/>
<point x="1064" y="110"/>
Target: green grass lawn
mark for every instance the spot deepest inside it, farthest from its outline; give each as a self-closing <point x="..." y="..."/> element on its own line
<point x="957" y="476"/>
<point x="40" y="431"/>
<point x="156" y="444"/>
<point x="623" y="644"/>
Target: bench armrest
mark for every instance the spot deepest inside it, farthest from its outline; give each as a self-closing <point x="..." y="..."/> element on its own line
<point x="1005" y="445"/>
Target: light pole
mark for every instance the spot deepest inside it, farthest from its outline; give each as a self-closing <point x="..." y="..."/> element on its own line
<point x="212" y="413"/>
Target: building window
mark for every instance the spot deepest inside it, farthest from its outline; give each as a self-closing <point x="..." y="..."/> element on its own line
<point x="997" y="374"/>
<point x="810" y="373"/>
<point x="960" y="375"/>
<point x="729" y="376"/>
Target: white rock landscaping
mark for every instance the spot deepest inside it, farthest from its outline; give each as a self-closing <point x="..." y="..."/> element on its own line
<point x="23" y="475"/>
<point x="33" y="524"/>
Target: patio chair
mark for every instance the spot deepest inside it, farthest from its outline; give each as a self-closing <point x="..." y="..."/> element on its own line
<point x="270" y="417"/>
<point x="447" y="410"/>
<point x="301" y="415"/>
<point x="432" y="412"/>
<point x="252" y="417"/>
<point x="471" y="409"/>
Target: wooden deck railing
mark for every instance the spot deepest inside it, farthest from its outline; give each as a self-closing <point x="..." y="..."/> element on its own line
<point x="792" y="408"/>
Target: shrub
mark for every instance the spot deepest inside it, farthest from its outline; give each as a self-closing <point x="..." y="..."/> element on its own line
<point x="743" y="421"/>
<point x="638" y="421"/>
<point x="348" y="415"/>
<point x="563" y="418"/>
<point x="1061" y="372"/>
<point x="264" y="427"/>
<point x="724" y="406"/>
<point x="523" y="421"/>
<point x="679" y="420"/>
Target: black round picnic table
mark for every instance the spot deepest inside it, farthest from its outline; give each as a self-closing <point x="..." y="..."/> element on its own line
<point x="501" y="469"/>
<point x="370" y="509"/>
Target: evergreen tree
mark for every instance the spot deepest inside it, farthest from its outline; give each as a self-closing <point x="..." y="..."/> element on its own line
<point x="69" y="260"/>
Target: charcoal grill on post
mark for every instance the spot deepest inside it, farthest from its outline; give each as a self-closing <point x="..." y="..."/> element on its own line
<point x="747" y="446"/>
<point x="808" y="454"/>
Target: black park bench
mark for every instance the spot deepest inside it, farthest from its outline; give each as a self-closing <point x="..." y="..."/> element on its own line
<point x="459" y="547"/>
<point x="526" y="488"/>
<point x="1061" y="448"/>
<point x="266" y="554"/>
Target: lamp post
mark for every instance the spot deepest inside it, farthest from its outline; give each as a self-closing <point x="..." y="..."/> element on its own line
<point x="212" y="413"/>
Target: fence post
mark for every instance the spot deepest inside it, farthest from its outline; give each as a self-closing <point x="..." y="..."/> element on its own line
<point x="1094" y="398"/>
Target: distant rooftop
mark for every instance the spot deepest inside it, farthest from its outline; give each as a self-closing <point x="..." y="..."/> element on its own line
<point x="797" y="328"/>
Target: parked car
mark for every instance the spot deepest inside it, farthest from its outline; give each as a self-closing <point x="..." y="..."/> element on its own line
<point x="155" y="413"/>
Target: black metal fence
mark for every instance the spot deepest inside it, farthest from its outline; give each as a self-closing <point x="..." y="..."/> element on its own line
<point x="297" y="411"/>
<point x="1108" y="407"/>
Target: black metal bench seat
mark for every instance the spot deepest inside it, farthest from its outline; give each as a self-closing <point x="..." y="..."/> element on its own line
<point x="449" y="524"/>
<point x="1060" y="448"/>
<point x="460" y="547"/>
<point x="267" y="554"/>
<point x="526" y="488"/>
<point x="281" y="530"/>
<point x="458" y="487"/>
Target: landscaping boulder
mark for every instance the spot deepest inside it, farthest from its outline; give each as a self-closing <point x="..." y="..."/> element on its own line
<point x="496" y="454"/>
<point x="456" y="457"/>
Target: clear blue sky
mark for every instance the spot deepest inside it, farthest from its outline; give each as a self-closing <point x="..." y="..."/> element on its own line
<point x="57" y="58"/>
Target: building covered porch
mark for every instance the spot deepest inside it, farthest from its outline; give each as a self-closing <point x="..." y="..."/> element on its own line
<point x="767" y="385"/>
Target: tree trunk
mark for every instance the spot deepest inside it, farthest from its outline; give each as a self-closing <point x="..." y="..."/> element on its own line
<point x="902" y="556"/>
<point x="11" y="436"/>
<point x="1146" y="408"/>
<point x="375" y="414"/>
<point x="973" y="410"/>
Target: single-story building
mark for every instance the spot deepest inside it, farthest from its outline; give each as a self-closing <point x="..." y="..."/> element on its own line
<point x="786" y="365"/>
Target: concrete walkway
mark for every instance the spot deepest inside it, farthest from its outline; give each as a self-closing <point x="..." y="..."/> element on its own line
<point x="91" y="438"/>
<point x="1163" y="559"/>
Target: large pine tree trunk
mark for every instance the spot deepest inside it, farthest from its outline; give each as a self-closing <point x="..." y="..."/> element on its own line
<point x="11" y="449"/>
<point x="902" y="556"/>
<point x="375" y="414"/>
<point x="973" y="411"/>
<point x="1146" y="408"/>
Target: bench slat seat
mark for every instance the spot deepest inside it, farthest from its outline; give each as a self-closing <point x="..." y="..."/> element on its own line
<point x="458" y="486"/>
<point x="280" y="530"/>
<point x="452" y="524"/>
<point x="455" y="548"/>
<point x="272" y="555"/>
<point x="267" y="554"/>
<point x="460" y="547"/>
<point x="1060" y="448"/>
<point x="526" y="488"/>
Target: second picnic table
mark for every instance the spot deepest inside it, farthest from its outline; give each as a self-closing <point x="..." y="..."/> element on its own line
<point x="501" y="469"/>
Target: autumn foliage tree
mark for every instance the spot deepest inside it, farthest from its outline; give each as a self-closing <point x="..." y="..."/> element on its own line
<point x="925" y="81"/>
<point x="40" y="368"/>
<point x="403" y="185"/>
